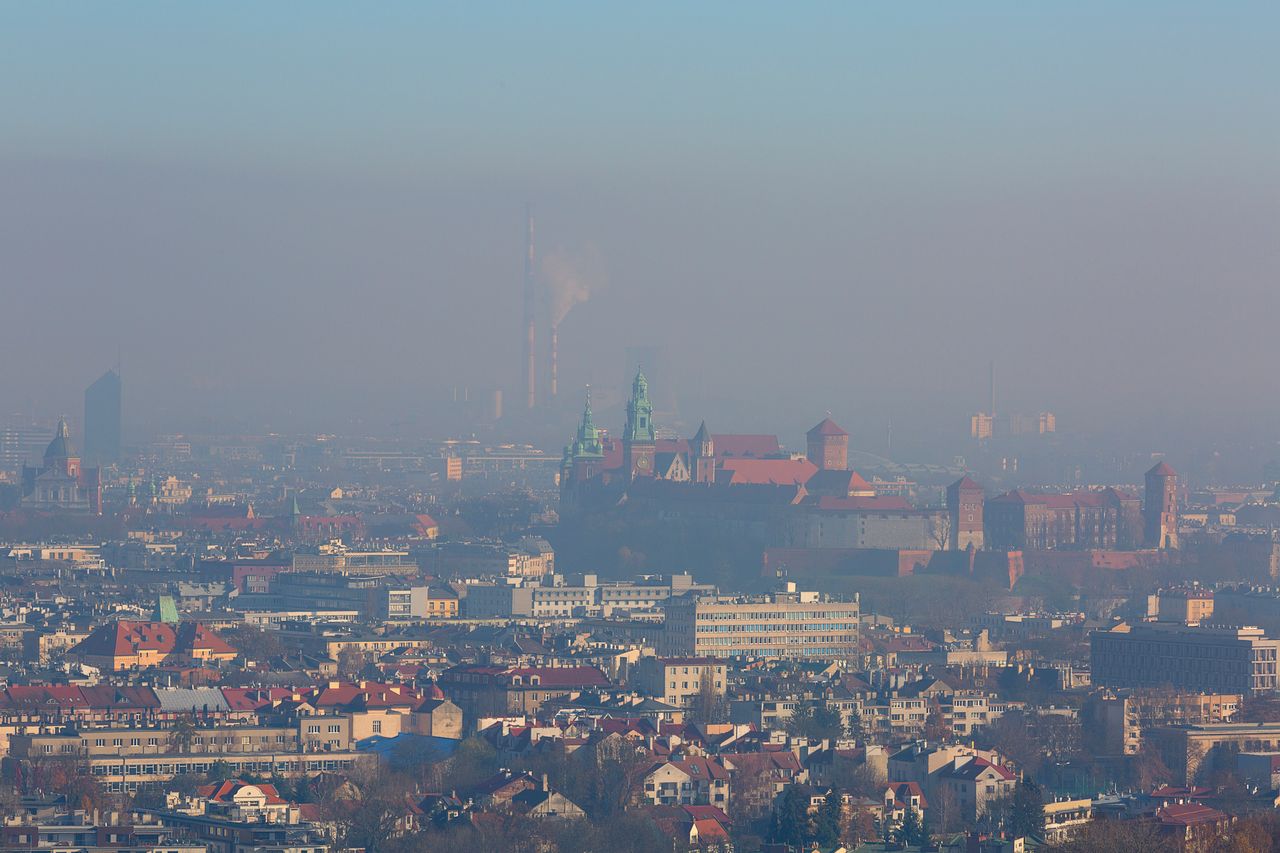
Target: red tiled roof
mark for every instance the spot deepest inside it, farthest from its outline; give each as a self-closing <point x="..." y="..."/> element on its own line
<point x="965" y="484"/>
<point x="974" y="768"/>
<point x="562" y="676"/>
<point x="1162" y="469"/>
<point x="827" y="427"/>
<point x="193" y="635"/>
<point x="760" y="762"/>
<point x="885" y="503"/>
<point x="1189" y="814"/>
<point x="1177" y="791"/>
<point x="366" y="694"/>
<point x="1068" y="500"/>
<point x="43" y="698"/>
<point x="785" y="472"/>
<point x="225" y="792"/>
<point x="126" y="637"/>
<point x="904" y="791"/>
<point x="109" y="696"/>
<point x="708" y="813"/>
<point x="254" y="698"/>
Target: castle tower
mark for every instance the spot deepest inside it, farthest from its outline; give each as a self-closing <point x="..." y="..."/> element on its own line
<point x="702" y="456"/>
<point x="828" y="446"/>
<point x="964" y="514"/>
<point x="1160" y="509"/>
<point x="639" y="444"/>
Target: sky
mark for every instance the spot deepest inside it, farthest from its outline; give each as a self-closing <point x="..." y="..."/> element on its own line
<point x="292" y="215"/>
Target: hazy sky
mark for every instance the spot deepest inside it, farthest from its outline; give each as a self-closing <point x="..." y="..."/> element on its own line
<point x="299" y="208"/>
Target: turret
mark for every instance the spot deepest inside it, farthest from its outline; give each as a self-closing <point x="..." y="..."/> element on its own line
<point x="702" y="456"/>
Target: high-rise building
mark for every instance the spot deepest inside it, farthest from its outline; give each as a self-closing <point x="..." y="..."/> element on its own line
<point x="102" y="420"/>
<point x="22" y="444"/>
<point x="1160" y="510"/>
<point x="981" y="426"/>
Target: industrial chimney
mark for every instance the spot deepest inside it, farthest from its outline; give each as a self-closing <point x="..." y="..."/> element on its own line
<point x="555" y="358"/>
<point x="529" y="303"/>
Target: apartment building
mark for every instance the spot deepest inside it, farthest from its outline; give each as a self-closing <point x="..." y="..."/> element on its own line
<point x="85" y="832"/>
<point x="693" y="781"/>
<point x="1187" y="658"/>
<point x="1114" y="720"/>
<point x="787" y="624"/>
<point x="971" y="709"/>
<point x="135" y="759"/>
<point x="678" y="681"/>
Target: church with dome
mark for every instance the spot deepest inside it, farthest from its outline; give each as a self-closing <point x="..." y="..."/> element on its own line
<point x="61" y="483"/>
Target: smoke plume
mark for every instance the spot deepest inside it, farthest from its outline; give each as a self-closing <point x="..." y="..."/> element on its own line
<point x="570" y="279"/>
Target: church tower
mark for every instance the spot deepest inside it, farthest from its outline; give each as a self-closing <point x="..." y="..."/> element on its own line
<point x="702" y="456"/>
<point x="583" y="456"/>
<point x="639" y="443"/>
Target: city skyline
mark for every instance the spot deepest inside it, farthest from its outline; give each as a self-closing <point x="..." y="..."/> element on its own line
<point x="881" y="182"/>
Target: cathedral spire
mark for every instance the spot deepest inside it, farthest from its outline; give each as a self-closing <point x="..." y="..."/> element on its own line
<point x="587" y="441"/>
<point x="639" y="428"/>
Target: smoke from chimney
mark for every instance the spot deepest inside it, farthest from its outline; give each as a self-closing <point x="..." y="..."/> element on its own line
<point x="570" y="280"/>
<point x="555" y="359"/>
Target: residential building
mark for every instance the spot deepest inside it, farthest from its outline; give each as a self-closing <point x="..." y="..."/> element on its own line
<point x="87" y="832"/>
<point x="433" y="602"/>
<point x="1064" y="818"/>
<point x="678" y="681"/>
<point x="127" y="644"/>
<point x="691" y="781"/>
<point x="481" y="690"/>
<point x="1113" y="721"/>
<point x="973" y="782"/>
<point x="900" y="796"/>
<point x="133" y="759"/>
<point x="923" y="762"/>
<point x="237" y="817"/>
